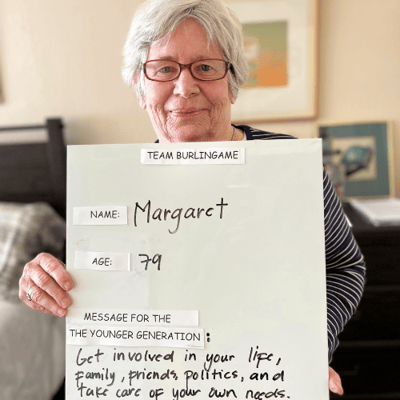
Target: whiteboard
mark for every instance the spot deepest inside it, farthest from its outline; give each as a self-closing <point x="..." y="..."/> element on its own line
<point x="235" y="296"/>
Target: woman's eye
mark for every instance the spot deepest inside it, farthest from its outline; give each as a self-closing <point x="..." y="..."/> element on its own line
<point x="165" y="70"/>
<point x="205" y="67"/>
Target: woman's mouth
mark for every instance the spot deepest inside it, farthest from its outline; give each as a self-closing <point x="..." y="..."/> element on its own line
<point x="186" y="112"/>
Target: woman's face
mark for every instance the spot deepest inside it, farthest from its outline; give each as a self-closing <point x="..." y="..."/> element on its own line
<point x="186" y="109"/>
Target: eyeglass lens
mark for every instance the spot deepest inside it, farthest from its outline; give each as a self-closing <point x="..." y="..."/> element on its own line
<point x="167" y="70"/>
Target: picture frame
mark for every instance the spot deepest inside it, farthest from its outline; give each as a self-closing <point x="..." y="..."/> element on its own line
<point x="281" y="46"/>
<point x="358" y="156"/>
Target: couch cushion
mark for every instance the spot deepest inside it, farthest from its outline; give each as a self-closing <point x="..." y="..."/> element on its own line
<point x="25" y="231"/>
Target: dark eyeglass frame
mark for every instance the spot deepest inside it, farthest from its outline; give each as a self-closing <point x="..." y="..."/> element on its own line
<point x="228" y="66"/>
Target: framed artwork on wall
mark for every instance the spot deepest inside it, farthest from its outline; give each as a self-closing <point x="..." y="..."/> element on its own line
<point x="281" y="48"/>
<point x="359" y="158"/>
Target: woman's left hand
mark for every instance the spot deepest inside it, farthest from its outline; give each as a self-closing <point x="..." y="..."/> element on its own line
<point x="335" y="383"/>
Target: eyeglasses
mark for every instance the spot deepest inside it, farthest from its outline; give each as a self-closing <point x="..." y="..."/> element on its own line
<point x="203" y="70"/>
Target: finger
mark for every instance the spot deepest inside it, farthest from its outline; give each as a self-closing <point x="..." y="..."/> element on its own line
<point x="31" y="304"/>
<point x="36" y="271"/>
<point x="56" y="269"/>
<point x="35" y="306"/>
<point x="41" y="301"/>
<point x="55" y="300"/>
<point x="45" y="282"/>
<point x="335" y="383"/>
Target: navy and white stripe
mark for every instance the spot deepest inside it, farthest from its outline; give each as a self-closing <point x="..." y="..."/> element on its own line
<point x="345" y="266"/>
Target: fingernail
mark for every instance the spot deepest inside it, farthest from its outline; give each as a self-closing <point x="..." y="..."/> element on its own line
<point x="60" y="312"/>
<point x="338" y="389"/>
<point x="67" y="285"/>
<point x="64" y="303"/>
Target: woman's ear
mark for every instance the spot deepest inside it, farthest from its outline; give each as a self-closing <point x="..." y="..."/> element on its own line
<point x="142" y="99"/>
<point x="142" y="102"/>
<point x="232" y="98"/>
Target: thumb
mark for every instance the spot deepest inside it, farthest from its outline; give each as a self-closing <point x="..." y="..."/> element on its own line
<point x="335" y="383"/>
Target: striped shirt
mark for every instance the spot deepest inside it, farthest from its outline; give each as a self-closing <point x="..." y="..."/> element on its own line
<point x="345" y="266"/>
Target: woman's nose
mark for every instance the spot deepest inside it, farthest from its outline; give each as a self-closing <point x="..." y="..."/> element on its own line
<point x="186" y="85"/>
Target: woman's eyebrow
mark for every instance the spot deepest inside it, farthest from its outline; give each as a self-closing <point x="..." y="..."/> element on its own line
<point x="166" y="58"/>
<point x="171" y="58"/>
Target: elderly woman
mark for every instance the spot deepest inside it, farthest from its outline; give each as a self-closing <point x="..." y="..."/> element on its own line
<point x="185" y="58"/>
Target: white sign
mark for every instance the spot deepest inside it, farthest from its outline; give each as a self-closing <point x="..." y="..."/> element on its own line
<point x="109" y="335"/>
<point x="134" y="317"/>
<point x="193" y="156"/>
<point x="100" y="215"/>
<point x="240" y="246"/>
<point x="102" y="261"/>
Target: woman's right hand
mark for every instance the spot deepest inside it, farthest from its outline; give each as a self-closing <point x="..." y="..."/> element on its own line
<point x="51" y="282"/>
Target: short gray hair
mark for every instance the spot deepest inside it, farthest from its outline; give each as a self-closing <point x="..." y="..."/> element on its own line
<point x="157" y="18"/>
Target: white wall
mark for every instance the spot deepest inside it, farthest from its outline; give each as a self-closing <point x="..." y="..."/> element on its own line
<point x="63" y="58"/>
<point x="359" y="72"/>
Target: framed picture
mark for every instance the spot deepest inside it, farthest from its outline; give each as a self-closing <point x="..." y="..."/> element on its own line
<point x="281" y="48"/>
<point x="358" y="158"/>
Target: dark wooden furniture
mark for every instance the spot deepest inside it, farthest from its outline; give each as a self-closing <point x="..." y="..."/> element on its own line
<point x="368" y="357"/>
<point x="32" y="172"/>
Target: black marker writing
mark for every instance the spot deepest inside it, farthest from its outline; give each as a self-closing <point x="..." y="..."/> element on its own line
<point x="155" y="260"/>
<point x="163" y="214"/>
